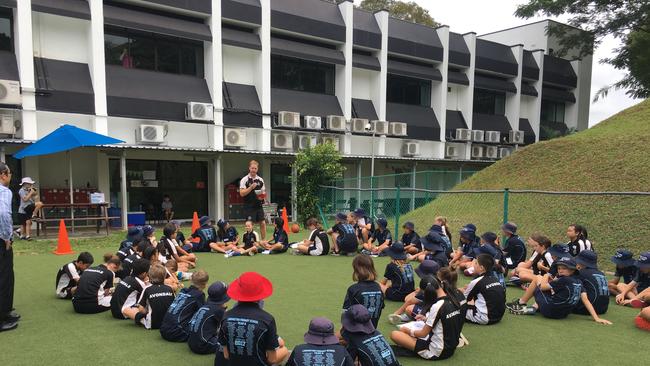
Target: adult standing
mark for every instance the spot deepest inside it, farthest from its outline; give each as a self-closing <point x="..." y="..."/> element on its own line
<point x="8" y="318"/>
<point x="252" y="188"/>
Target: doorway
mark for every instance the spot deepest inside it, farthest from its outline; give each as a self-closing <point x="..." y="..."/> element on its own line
<point x="281" y="186"/>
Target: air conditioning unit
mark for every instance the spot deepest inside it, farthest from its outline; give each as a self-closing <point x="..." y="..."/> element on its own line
<point x="10" y="92"/>
<point x="199" y="112"/>
<point x="463" y="134"/>
<point x="477" y="135"/>
<point x="477" y="151"/>
<point x="516" y="137"/>
<point x="452" y="151"/>
<point x="504" y="152"/>
<point x="334" y="140"/>
<point x="359" y="125"/>
<point x="492" y="137"/>
<point x="150" y="134"/>
<point x="379" y="127"/>
<point x="411" y="148"/>
<point x="288" y="119"/>
<point x="234" y="137"/>
<point x="491" y="152"/>
<point x="282" y="141"/>
<point x="313" y="123"/>
<point x="306" y="141"/>
<point x="398" y="128"/>
<point x="7" y="125"/>
<point x="336" y="123"/>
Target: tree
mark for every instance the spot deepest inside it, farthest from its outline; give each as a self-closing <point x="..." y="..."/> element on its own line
<point x="315" y="166"/>
<point x="627" y="20"/>
<point x="409" y="11"/>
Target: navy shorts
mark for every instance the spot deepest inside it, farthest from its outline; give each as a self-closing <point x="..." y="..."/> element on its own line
<point x="346" y="247"/>
<point x="254" y="214"/>
<point x="394" y="295"/>
<point x="547" y="308"/>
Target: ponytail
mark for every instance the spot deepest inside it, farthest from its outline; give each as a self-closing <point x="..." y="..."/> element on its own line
<point x="451" y="293"/>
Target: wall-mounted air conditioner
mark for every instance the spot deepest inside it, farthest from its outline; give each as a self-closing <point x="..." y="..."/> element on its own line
<point x="306" y="141"/>
<point x="452" y="151"/>
<point x="411" y="148"/>
<point x="234" y="137"/>
<point x="398" y="128"/>
<point x="504" y="152"/>
<point x="7" y="124"/>
<point x="313" y="123"/>
<point x="283" y="141"/>
<point x="150" y="134"/>
<point x="379" y="127"/>
<point x="478" y="135"/>
<point x="199" y="112"/>
<point x="493" y="137"/>
<point x="491" y="152"/>
<point x="463" y="134"/>
<point x="336" y="123"/>
<point x="359" y="125"/>
<point x="516" y="137"/>
<point x="10" y="92"/>
<point x="334" y="140"/>
<point x="288" y="119"/>
<point x="477" y="151"/>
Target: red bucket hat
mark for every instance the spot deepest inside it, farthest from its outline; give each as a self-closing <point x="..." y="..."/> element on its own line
<point x="250" y="287"/>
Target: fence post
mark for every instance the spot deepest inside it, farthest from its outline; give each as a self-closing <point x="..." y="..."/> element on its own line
<point x="398" y="208"/>
<point x="506" y="198"/>
<point x="372" y="196"/>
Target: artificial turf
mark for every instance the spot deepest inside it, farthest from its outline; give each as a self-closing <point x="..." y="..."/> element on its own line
<point x="51" y="333"/>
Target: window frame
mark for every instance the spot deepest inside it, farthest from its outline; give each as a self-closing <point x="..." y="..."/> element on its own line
<point x="329" y="85"/>
<point x="424" y="92"/>
<point x="498" y="102"/>
<point x="7" y="13"/>
<point x="555" y="111"/>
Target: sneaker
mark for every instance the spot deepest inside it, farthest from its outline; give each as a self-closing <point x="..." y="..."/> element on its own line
<point x="228" y="254"/>
<point x="366" y="252"/>
<point x="294" y="246"/>
<point x="335" y="254"/>
<point x="514" y="281"/>
<point x="515" y="305"/>
<point x="465" y="341"/>
<point x="266" y="252"/>
<point x="251" y="253"/>
<point x="235" y="254"/>
<point x="398" y="318"/>
<point x="638" y="304"/>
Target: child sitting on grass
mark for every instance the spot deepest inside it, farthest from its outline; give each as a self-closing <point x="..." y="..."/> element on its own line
<point x="68" y="275"/>
<point x="170" y="248"/>
<point x="468" y="242"/>
<point x="432" y="249"/>
<point x="280" y="242"/>
<point x="321" y="347"/>
<point x="411" y="239"/>
<point x="175" y="324"/>
<point x="343" y="236"/>
<point x="207" y="236"/>
<point x="426" y="270"/>
<point x="365" y="344"/>
<point x="203" y="329"/>
<point x="133" y="237"/>
<point x="486" y="297"/>
<point x="95" y="286"/>
<point x="127" y="291"/>
<point x="317" y="243"/>
<point x="228" y="237"/>
<point x="363" y="224"/>
<point x="154" y="301"/>
<point x="172" y="278"/>
<point x="641" y="284"/>
<point x="625" y="268"/>
<point x="366" y="291"/>
<point x="594" y="283"/>
<point x="381" y="236"/>
<point x="250" y="241"/>
<point x="398" y="278"/>
<point x="538" y="264"/>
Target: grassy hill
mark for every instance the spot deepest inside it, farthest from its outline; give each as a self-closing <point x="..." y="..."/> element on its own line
<point x="612" y="156"/>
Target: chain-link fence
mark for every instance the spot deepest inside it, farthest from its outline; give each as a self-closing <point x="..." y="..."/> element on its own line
<point x="613" y="219"/>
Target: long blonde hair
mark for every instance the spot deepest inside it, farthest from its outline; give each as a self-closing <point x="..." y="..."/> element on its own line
<point x="400" y="263"/>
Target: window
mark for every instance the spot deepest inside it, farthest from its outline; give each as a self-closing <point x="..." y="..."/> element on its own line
<point x="302" y="75"/>
<point x="552" y="111"/>
<point x="489" y="102"/>
<point x="132" y="49"/>
<point x="6" y="30"/>
<point x="405" y="90"/>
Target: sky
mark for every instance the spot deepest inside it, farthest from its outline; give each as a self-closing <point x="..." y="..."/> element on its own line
<point x="483" y="16"/>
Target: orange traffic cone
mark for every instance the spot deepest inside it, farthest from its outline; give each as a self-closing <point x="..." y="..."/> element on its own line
<point x="195" y="226"/>
<point x="63" y="247"/>
<point x="286" y="219"/>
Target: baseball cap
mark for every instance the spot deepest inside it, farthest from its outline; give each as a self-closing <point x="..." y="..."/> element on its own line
<point x="222" y="223"/>
<point x="147" y="230"/>
<point x="27" y="180"/>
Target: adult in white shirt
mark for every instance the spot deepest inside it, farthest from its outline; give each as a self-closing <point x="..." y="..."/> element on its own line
<point x="252" y="188"/>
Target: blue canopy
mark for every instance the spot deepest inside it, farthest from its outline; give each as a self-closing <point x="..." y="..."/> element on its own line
<point x="65" y="138"/>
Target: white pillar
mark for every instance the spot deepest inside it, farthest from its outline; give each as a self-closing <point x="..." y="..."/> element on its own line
<point x="513" y="100"/>
<point x="23" y="44"/>
<point x="536" y="111"/>
<point x="123" y="191"/>
<point x="97" y="66"/>
<point x="466" y="94"/>
<point x="2" y="154"/>
<point x="214" y="73"/>
<point x="380" y="88"/>
<point x="265" y="71"/>
<point x="572" y="110"/>
<point x="218" y="186"/>
<point x="583" y="95"/>
<point x="439" y="91"/>
<point x="344" y="72"/>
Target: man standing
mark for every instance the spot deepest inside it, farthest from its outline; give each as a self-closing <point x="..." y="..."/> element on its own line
<point x="251" y="187"/>
<point x="8" y="318"/>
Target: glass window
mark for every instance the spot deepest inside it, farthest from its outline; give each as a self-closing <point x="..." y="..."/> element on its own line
<point x="405" y="90"/>
<point x="552" y="111"/>
<point x="6" y="30"/>
<point x="489" y="102"/>
<point x="302" y="75"/>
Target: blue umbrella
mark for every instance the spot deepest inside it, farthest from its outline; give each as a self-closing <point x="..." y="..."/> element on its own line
<point x="65" y="138"/>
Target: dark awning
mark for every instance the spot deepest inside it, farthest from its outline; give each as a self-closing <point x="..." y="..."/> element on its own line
<point x="149" y="94"/>
<point x="529" y="134"/>
<point x="412" y="70"/>
<point x="199" y="6"/>
<point x="456" y="77"/>
<point x="239" y="38"/>
<point x="312" y="17"/>
<point x="285" y="47"/>
<point x="148" y="22"/>
<point x="528" y="89"/>
<point x="67" y="8"/>
<point x="421" y="121"/>
<point x="241" y="106"/>
<point x="484" y="82"/>
<point x="307" y="104"/>
<point x="558" y="95"/>
<point x="63" y="86"/>
<point x="365" y="62"/>
<point x="495" y="57"/>
<point x="455" y="120"/>
<point x="366" y="31"/>
<point x="8" y="3"/>
<point x="530" y="69"/>
<point x="413" y="39"/>
<point x="8" y="66"/>
<point x="559" y="71"/>
<point x="362" y="108"/>
<point x="489" y="122"/>
<point x="458" y="51"/>
<point x="248" y="11"/>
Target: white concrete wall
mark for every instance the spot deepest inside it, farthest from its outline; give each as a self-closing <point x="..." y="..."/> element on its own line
<point x="60" y="38"/>
<point x="362" y="83"/>
<point x="240" y="66"/>
<point x="532" y="36"/>
<point x="452" y="97"/>
<point x="177" y="132"/>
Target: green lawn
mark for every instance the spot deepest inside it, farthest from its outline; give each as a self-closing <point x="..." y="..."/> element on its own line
<point x="51" y="333"/>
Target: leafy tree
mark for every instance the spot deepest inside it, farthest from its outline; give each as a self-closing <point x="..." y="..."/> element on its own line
<point x="314" y="167"/>
<point x="627" y="20"/>
<point x="409" y="11"/>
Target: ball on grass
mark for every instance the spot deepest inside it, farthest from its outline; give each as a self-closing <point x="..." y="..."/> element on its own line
<point x="295" y="228"/>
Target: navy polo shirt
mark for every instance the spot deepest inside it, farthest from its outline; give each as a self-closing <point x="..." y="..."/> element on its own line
<point x="381" y="236"/>
<point x="320" y="355"/>
<point x="206" y="234"/>
<point x="594" y="283"/>
<point x="203" y="328"/>
<point x="412" y="238"/>
<point x="401" y="280"/>
<point x="371" y="349"/>
<point x="642" y="280"/>
<point x="230" y="235"/>
<point x="175" y="324"/>
<point x="368" y="294"/>
<point x="628" y="273"/>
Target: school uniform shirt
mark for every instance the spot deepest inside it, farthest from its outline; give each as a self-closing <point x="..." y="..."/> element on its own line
<point x="127" y="265"/>
<point x="514" y="251"/>
<point x="563" y="297"/>
<point x="446" y="245"/>
<point x="156" y="299"/>
<point x="468" y="248"/>
<point x="92" y="284"/>
<point x="230" y="235"/>
<point x="370" y="349"/>
<point x="203" y="329"/>
<point x="66" y="278"/>
<point x="320" y="355"/>
<point x="248" y="332"/>
<point x="642" y="281"/>
<point x="545" y="258"/>
<point x="127" y="293"/>
<point x="577" y="246"/>
<point x="402" y="280"/>
<point x="280" y="236"/>
<point x="368" y="294"/>
<point x="346" y="239"/>
<point x="594" y="284"/>
<point x="320" y="243"/>
<point x="250" y="200"/>
<point x="489" y="298"/>
<point x="249" y="239"/>
<point x="175" y="324"/>
<point x="446" y="322"/>
<point x="380" y="237"/>
<point x="168" y="248"/>
<point x="628" y="273"/>
<point x="412" y="238"/>
<point x="206" y="234"/>
<point x="438" y="257"/>
<point x="126" y="249"/>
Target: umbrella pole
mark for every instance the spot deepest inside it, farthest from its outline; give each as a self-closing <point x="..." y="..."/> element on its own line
<point x="71" y="189"/>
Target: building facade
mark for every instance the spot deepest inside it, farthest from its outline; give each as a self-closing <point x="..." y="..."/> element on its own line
<point x="197" y="88"/>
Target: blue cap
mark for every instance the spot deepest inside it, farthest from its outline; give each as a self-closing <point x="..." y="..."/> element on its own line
<point x="437" y="229"/>
<point x="644" y="260"/>
<point x="587" y="258"/>
<point x="147" y="230"/>
<point x="218" y="293"/>
<point x="222" y="223"/>
<point x="567" y="262"/>
<point x="428" y="267"/>
<point x="559" y="250"/>
<point x="382" y="223"/>
<point x="396" y="251"/>
<point x="624" y="258"/>
<point x="359" y="212"/>
<point x="134" y="234"/>
<point x="509" y="227"/>
<point x="341" y="216"/>
<point x="204" y="220"/>
<point x="432" y="242"/>
<point x="484" y="249"/>
<point x="471" y="227"/>
<point x="409" y="225"/>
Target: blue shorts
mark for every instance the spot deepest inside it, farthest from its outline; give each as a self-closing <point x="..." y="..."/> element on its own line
<point x="549" y="309"/>
<point x="346" y="247"/>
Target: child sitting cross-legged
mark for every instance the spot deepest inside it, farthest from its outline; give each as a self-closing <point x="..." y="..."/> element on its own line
<point x="640" y="284"/>
<point x="170" y="248"/>
<point x="175" y="324"/>
<point x="343" y="235"/>
<point x="69" y="275"/>
<point x="380" y="240"/>
<point x="398" y="279"/>
<point x="317" y="244"/>
<point x="406" y="313"/>
<point x="363" y="341"/>
<point x="154" y="301"/>
<point x="366" y="291"/>
<point x="411" y="239"/>
<point x="280" y="242"/>
<point x="486" y="297"/>
<point x="203" y="330"/>
<point x="625" y="268"/>
<point x="432" y="249"/>
<point x="321" y="347"/>
<point x="127" y="291"/>
<point x="250" y="242"/>
<point x="228" y="238"/>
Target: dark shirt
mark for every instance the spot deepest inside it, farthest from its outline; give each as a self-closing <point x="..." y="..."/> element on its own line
<point x="565" y="295"/>
<point x="381" y="236"/>
<point x="594" y="283"/>
<point x="628" y="273"/>
<point x="489" y="297"/>
<point x="642" y="281"/>
<point x="347" y="239"/>
<point x="368" y="294"/>
<point x="204" y="328"/>
<point x="320" y="355"/>
<point x="251" y="200"/>
<point x="249" y="239"/>
<point x="401" y="280"/>
<point x="93" y="281"/>
<point x="370" y="349"/>
<point x="206" y="234"/>
<point x="468" y="248"/>
<point x="128" y="289"/>
<point x="412" y="238"/>
<point x="157" y="299"/>
<point x="280" y="236"/>
<point x="438" y="257"/>
<point x="230" y="235"/>
<point x="175" y="324"/>
<point x="515" y="249"/>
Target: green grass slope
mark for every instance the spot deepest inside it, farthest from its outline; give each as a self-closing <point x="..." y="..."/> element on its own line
<point x="612" y="156"/>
